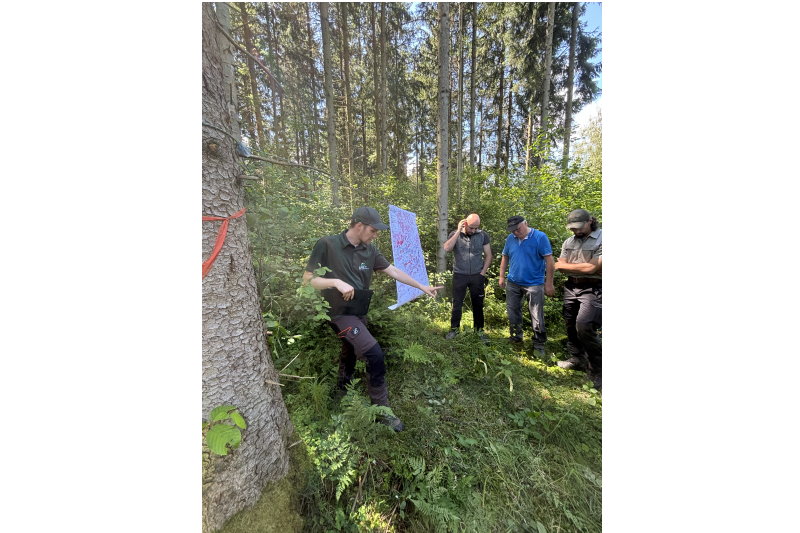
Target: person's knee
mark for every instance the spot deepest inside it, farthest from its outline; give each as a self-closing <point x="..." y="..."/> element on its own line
<point x="376" y="365"/>
<point x="585" y="328"/>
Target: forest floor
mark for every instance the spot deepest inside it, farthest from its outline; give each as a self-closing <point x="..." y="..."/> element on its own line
<point x="496" y="439"/>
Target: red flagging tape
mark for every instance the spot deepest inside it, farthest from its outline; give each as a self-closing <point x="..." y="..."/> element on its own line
<point x="223" y="230"/>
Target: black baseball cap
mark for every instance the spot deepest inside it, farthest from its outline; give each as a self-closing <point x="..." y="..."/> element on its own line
<point x="577" y="218"/>
<point x="369" y="216"/>
<point x="515" y="221"/>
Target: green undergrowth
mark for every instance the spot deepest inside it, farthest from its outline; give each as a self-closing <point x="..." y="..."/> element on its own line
<point x="495" y="440"/>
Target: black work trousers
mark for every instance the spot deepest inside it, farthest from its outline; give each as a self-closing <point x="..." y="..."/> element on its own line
<point x="358" y="343"/>
<point x="476" y="284"/>
<point x="583" y="313"/>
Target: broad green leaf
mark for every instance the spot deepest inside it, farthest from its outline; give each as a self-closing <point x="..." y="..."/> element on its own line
<point x="238" y="420"/>
<point x="220" y="436"/>
<point x="221" y="413"/>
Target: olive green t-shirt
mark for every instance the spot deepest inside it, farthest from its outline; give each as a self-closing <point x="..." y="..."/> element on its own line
<point x="351" y="264"/>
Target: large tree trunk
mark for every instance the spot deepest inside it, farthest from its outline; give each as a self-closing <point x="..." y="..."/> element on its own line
<point x="548" y="62"/>
<point x="570" y="84"/>
<point x="237" y="368"/>
<point x="443" y="140"/>
<point x="329" y="103"/>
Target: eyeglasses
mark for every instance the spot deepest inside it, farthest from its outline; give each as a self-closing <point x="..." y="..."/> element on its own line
<point x="474" y="227"/>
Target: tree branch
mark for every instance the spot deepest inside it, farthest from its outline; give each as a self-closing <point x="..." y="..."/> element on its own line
<point x="254" y="58"/>
<point x="285" y="163"/>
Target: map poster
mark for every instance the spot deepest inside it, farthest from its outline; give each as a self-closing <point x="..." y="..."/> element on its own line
<point x="407" y="252"/>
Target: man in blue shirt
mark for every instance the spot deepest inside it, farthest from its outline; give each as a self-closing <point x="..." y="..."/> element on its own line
<point x="530" y="274"/>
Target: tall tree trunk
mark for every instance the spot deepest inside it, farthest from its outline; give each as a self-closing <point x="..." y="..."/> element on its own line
<point x="460" y="143"/>
<point x="267" y="13"/>
<point x="548" y="62"/>
<point x="383" y="84"/>
<point x="443" y="140"/>
<point x="346" y="76"/>
<point x="528" y="135"/>
<point x="330" y="104"/>
<point x="480" y="136"/>
<point x="376" y="53"/>
<point x="314" y="144"/>
<point x="237" y="367"/>
<point x="251" y="69"/>
<point x="570" y="85"/>
<point x="508" y="126"/>
<point x="472" y="87"/>
<point x="499" y="153"/>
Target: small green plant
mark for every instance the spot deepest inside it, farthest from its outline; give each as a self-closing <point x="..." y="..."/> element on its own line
<point x="223" y="432"/>
<point x="309" y="298"/>
<point x="416" y="353"/>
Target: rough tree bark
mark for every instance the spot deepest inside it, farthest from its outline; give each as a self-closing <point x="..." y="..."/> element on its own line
<point x="237" y="367"/>
<point x="330" y="104"/>
<point x="443" y="139"/>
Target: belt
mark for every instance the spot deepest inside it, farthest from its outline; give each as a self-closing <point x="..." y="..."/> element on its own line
<point x="585" y="281"/>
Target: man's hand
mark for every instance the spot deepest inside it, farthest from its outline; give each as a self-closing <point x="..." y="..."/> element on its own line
<point x="549" y="290"/>
<point x="431" y="291"/>
<point x="461" y="225"/>
<point x="346" y="289"/>
<point x="502" y="282"/>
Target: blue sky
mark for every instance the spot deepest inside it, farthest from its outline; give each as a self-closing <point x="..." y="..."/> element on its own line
<point x="594" y="21"/>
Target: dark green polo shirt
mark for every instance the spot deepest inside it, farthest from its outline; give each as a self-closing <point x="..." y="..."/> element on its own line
<point x="351" y="264"/>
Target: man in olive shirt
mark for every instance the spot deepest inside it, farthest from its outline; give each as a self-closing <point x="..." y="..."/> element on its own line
<point x="468" y="243"/>
<point x="352" y="260"/>
<point x="581" y="259"/>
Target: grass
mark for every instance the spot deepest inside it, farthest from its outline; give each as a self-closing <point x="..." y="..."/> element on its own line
<point x="495" y="439"/>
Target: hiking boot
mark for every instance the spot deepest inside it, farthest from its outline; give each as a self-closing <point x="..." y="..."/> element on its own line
<point x="515" y="339"/>
<point x="483" y="337"/>
<point x="391" y="421"/>
<point x="451" y="334"/>
<point x="538" y="351"/>
<point x="573" y="363"/>
<point x="597" y="381"/>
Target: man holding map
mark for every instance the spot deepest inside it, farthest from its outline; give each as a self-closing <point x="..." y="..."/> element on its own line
<point x="352" y="259"/>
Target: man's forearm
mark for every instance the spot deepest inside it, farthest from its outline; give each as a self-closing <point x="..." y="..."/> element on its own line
<point x="318" y="282"/>
<point x="548" y="272"/>
<point x="450" y="243"/>
<point x="577" y="268"/>
<point x="486" y="262"/>
<point x="395" y="273"/>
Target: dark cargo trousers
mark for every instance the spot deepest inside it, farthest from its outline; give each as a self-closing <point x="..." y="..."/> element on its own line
<point x="358" y="343"/>
<point x="534" y="295"/>
<point x="583" y="313"/>
<point x="476" y="285"/>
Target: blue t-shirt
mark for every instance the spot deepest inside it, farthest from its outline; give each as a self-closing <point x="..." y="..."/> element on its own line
<point x="526" y="257"/>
